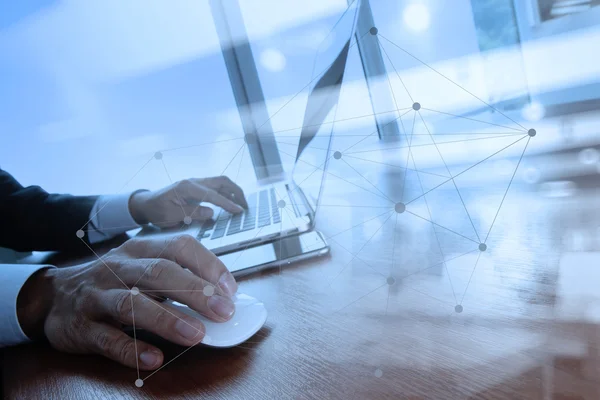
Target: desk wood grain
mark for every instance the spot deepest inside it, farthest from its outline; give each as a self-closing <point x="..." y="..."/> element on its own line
<point x="339" y="328"/>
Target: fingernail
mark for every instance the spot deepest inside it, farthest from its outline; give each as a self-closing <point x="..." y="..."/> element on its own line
<point x="222" y="306"/>
<point x="227" y="283"/>
<point x="206" y="213"/>
<point x="187" y="330"/>
<point x="150" y="358"/>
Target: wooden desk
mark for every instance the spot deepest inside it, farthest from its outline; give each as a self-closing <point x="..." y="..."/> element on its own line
<point x="337" y="328"/>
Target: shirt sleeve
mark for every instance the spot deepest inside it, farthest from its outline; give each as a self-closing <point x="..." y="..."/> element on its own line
<point x="110" y="217"/>
<point x="14" y="277"/>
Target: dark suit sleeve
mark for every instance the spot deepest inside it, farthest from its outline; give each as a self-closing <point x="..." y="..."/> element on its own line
<point x="32" y="219"/>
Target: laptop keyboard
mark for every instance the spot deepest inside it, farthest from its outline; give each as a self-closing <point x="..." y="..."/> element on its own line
<point x="262" y="211"/>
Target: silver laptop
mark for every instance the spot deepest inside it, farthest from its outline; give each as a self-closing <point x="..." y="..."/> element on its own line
<point x="288" y="207"/>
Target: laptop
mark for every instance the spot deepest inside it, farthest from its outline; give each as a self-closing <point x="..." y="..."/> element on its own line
<point x="288" y="207"/>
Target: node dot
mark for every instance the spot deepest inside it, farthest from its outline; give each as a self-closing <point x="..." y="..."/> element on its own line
<point x="139" y="383"/>
<point x="482" y="247"/>
<point x="135" y="291"/>
<point x="208" y="290"/>
<point x="80" y="234"/>
<point x="531" y="132"/>
<point x="391" y="280"/>
<point x="400" y="208"/>
<point x="373" y="31"/>
<point x="187" y="220"/>
<point x="458" y="308"/>
<point x="250" y="138"/>
<point x="416" y="106"/>
<point x="337" y="155"/>
<point x="158" y="155"/>
<point x="281" y="204"/>
<point x="378" y="373"/>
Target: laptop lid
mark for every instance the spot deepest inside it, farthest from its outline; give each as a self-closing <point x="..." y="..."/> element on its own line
<point x="314" y="144"/>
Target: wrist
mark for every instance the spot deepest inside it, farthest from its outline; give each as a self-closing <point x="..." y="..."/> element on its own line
<point x="137" y="208"/>
<point x="34" y="303"/>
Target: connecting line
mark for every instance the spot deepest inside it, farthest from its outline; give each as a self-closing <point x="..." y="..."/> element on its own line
<point x="433" y="227"/>
<point x="360" y="298"/>
<point x="395" y="70"/>
<point x="357" y="225"/>
<point x="106" y="265"/>
<point x="408" y="156"/>
<point x="431" y="144"/>
<point x="451" y="81"/>
<point x="437" y="265"/>
<point x="169" y="312"/>
<point x="359" y="250"/>
<point x="155" y="259"/>
<point x="472" y="119"/>
<point x="174" y="189"/>
<point x="471" y="167"/>
<point x="449" y="173"/>
<point x="505" y="193"/>
<point x="223" y="172"/>
<point x="430" y="296"/>
<point x="137" y="364"/>
<point x="376" y="130"/>
<point x="246" y="248"/>
<point x="304" y="88"/>
<point x="368" y="181"/>
<point x="339" y="120"/>
<point x="470" y="277"/>
<point x="398" y="166"/>
<point x="201" y="144"/>
<point x="332" y="174"/>
<point x="391" y="88"/>
<point x="173" y="359"/>
<point x="358" y="258"/>
<point x="306" y="147"/>
<point x="443" y="227"/>
<point x="124" y="186"/>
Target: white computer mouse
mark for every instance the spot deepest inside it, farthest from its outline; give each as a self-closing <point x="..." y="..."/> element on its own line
<point x="250" y="315"/>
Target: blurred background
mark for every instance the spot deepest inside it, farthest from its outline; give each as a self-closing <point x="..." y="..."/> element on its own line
<point x="90" y="90"/>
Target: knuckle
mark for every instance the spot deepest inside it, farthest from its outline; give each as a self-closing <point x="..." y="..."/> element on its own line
<point x="195" y="286"/>
<point x="158" y="270"/>
<point x="85" y="297"/>
<point x="183" y="241"/>
<point x="131" y="246"/>
<point x="184" y="183"/>
<point x="163" y="319"/>
<point x="123" y="307"/>
<point x="104" y="341"/>
<point x="125" y="349"/>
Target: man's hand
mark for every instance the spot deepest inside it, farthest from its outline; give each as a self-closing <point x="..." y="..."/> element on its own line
<point x="169" y="206"/>
<point x="81" y="309"/>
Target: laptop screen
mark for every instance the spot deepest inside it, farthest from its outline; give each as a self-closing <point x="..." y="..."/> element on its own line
<point x="314" y="143"/>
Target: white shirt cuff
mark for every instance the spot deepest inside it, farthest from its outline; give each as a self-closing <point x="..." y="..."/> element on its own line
<point x="110" y="217"/>
<point x="14" y="277"/>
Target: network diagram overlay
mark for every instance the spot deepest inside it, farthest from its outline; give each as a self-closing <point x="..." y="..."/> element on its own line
<point x="416" y="134"/>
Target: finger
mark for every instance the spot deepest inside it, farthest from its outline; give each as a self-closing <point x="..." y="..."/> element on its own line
<point x="118" y="346"/>
<point x="189" y="253"/>
<point x="166" y="278"/>
<point x="196" y="192"/>
<point x="227" y="187"/>
<point x="198" y="213"/>
<point x="143" y="313"/>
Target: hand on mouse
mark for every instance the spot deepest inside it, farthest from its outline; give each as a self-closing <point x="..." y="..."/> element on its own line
<point x="169" y="206"/>
<point x="81" y="309"/>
